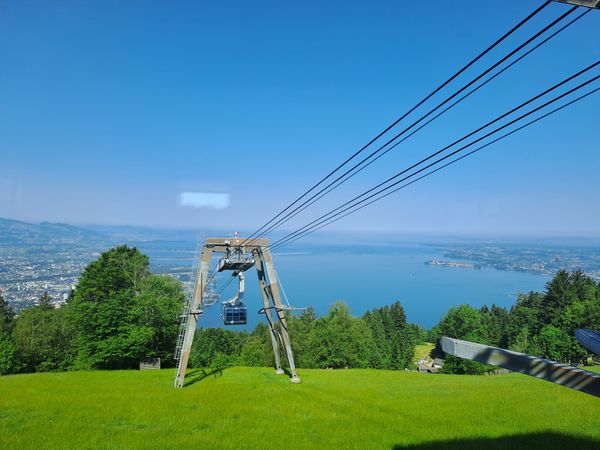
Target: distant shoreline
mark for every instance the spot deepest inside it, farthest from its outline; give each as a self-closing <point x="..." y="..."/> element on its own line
<point x="442" y="263"/>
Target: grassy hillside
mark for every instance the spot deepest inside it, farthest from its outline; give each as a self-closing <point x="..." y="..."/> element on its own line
<point x="254" y="408"/>
<point x="423" y="351"/>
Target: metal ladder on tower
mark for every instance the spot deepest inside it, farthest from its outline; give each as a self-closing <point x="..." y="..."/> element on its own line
<point x="182" y="330"/>
<point x="187" y="309"/>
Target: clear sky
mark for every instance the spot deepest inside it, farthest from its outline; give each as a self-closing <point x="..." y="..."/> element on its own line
<point x="110" y="110"/>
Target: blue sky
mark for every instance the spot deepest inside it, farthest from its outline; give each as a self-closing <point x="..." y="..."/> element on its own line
<point x="110" y="110"/>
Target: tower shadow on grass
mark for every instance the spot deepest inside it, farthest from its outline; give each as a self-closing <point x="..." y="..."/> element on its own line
<point x="544" y="440"/>
<point x="196" y="375"/>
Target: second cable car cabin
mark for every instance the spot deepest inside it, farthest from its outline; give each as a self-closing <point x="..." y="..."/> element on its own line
<point x="234" y="311"/>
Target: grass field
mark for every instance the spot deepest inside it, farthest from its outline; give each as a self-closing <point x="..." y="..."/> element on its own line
<point x="254" y="408"/>
<point x="422" y="351"/>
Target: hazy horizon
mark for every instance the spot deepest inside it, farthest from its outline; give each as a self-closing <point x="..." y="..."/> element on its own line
<point x="332" y="233"/>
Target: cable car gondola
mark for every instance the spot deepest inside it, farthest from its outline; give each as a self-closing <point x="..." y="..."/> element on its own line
<point x="234" y="311"/>
<point x="235" y="315"/>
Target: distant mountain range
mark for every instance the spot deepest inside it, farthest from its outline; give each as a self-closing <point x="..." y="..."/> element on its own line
<point x="16" y="232"/>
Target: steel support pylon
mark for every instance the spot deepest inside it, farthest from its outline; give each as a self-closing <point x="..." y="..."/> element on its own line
<point x="273" y="307"/>
<point x="193" y="312"/>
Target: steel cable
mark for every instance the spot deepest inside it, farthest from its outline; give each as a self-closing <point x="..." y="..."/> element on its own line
<point x="427" y="97"/>
<point x="349" y="171"/>
<point x="345" y="207"/>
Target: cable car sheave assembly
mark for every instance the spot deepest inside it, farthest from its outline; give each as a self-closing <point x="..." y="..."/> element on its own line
<point x="235" y="311"/>
<point x="238" y="258"/>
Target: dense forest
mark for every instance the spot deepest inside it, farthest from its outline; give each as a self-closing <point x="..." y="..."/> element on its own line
<point x="120" y="313"/>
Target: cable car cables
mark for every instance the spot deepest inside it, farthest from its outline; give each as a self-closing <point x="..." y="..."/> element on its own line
<point x="358" y="168"/>
<point x="329" y="222"/>
<point x="225" y="285"/>
<point x="357" y="201"/>
<point x="263" y="229"/>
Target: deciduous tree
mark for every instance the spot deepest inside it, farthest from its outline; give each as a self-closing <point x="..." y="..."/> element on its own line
<point x="122" y="313"/>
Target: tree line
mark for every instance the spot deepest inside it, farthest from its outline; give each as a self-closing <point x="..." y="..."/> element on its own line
<point x="382" y="339"/>
<point x="540" y="324"/>
<point x="120" y="313"/>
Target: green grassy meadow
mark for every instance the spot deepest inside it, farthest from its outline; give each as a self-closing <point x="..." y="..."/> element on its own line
<point x="254" y="408"/>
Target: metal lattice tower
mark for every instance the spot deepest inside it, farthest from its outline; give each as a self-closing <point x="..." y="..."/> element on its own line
<point x="272" y="306"/>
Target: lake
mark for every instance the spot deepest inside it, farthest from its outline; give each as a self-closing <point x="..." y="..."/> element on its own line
<point x="364" y="277"/>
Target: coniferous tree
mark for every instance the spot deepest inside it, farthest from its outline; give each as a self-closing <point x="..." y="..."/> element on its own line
<point x="560" y="293"/>
<point x="7" y="353"/>
<point x="496" y="319"/>
<point x="7" y="315"/>
<point x="381" y="355"/>
<point x="45" y="302"/>
<point x="394" y="340"/>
